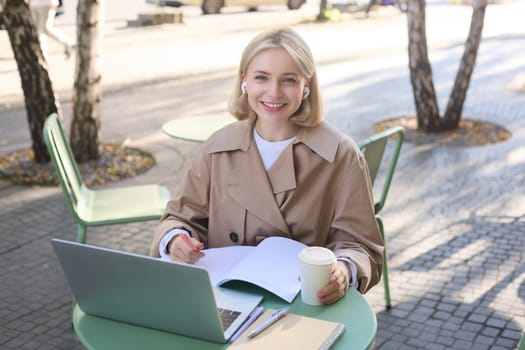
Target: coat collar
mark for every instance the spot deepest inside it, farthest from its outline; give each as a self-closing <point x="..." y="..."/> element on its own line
<point x="234" y="136"/>
<point x="322" y="139"/>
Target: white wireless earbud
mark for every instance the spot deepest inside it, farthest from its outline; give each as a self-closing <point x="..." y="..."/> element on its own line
<point x="243" y="87"/>
<point x="306" y="92"/>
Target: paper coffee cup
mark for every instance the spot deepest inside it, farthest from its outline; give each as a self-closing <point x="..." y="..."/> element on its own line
<point x="315" y="267"/>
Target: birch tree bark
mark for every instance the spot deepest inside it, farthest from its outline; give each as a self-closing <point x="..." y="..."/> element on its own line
<point x="428" y="118"/>
<point x="40" y="100"/>
<point x="87" y="93"/>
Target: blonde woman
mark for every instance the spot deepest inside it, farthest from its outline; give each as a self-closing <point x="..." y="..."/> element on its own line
<point x="278" y="171"/>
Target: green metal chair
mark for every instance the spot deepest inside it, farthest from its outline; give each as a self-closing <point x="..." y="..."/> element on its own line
<point x="373" y="149"/>
<point x="102" y="206"/>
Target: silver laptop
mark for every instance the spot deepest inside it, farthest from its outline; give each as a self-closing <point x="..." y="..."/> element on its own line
<point x="149" y="292"/>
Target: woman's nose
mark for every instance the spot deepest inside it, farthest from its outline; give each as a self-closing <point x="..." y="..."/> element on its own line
<point x="275" y="88"/>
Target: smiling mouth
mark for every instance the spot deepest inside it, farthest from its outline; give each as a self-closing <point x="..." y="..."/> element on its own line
<point x="273" y="105"/>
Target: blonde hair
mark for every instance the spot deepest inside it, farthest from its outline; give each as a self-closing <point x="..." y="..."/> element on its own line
<point x="310" y="113"/>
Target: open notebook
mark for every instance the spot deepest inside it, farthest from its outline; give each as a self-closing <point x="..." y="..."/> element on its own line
<point x="260" y="265"/>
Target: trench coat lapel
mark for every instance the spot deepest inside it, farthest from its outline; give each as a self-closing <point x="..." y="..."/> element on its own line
<point x="282" y="174"/>
<point x="251" y="187"/>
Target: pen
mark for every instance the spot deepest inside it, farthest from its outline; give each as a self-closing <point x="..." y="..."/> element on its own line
<point x="276" y="316"/>
<point x="254" y="315"/>
<point x="188" y="241"/>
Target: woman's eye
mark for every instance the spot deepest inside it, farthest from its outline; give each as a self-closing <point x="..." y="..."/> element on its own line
<point x="290" y="80"/>
<point x="260" y="77"/>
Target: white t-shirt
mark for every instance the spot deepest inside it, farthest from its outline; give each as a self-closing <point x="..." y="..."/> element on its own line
<point x="269" y="150"/>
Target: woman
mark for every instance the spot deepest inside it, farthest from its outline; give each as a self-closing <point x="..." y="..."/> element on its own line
<point x="43" y="14"/>
<point x="279" y="171"/>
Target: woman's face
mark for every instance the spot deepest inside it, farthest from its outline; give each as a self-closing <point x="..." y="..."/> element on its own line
<point x="275" y="86"/>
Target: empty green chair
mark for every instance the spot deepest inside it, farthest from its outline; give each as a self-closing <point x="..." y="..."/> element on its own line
<point x="373" y="149"/>
<point x="99" y="207"/>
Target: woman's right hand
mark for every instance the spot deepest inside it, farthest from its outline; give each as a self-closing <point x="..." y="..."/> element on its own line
<point x="185" y="249"/>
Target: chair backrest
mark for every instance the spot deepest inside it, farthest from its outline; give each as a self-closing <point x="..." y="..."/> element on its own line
<point x="63" y="161"/>
<point x="373" y="149"/>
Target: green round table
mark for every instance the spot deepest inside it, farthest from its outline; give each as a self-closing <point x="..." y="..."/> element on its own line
<point x="196" y="128"/>
<point x="104" y="334"/>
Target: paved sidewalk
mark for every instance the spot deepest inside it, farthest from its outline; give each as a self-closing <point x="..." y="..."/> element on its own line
<point x="455" y="217"/>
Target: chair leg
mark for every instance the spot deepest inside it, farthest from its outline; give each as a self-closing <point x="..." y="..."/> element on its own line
<point x="73" y="303"/>
<point x="521" y="345"/>
<point x="385" y="265"/>
<point x="81" y="233"/>
<point x="81" y="238"/>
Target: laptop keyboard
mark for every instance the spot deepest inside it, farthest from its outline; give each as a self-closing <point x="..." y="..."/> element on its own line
<point x="227" y="317"/>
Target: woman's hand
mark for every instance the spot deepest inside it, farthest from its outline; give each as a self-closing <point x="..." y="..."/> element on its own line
<point x="338" y="286"/>
<point x="185" y="249"/>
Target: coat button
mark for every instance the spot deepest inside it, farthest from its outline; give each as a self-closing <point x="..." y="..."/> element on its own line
<point x="234" y="237"/>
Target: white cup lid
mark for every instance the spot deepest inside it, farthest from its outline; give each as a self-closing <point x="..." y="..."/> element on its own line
<point x="317" y="256"/>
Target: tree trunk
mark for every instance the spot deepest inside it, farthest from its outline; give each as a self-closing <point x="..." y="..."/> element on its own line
<point x="428" y="118"/>
<point x="39" y="97"/>
<point x="322" y="10"/>
<point x="459" y="91"/>
<point x="88" y="91"/>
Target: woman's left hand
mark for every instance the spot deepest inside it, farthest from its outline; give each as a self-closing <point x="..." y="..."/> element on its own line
<point x="338" y="286"/>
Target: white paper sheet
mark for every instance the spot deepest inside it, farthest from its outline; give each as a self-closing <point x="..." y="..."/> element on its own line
<point x="271" y="265"/>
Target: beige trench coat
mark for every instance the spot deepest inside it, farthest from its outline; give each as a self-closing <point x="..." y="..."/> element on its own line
<point x="317" y="192"/>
